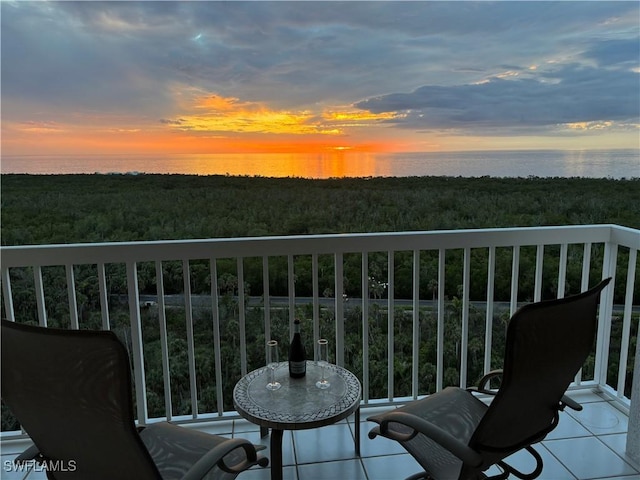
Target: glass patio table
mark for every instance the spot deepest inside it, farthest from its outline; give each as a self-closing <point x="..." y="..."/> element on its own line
<point x="298" y="404"/>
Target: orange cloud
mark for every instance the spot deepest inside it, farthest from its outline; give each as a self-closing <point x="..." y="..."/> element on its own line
<point x="39" y="127"/>
<point x="360" y="117"/>
<point x="216" y="102"/>
<point x="215" y="113"/>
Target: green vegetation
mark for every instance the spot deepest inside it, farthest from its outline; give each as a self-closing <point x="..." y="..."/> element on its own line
<point x="96" y="208"/>
<point x="101" y="208"/>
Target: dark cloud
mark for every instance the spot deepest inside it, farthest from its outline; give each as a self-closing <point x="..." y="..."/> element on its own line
<point x="132" y="56"/>
<point x="569" y="95"/>
<point x="167" y="121"/>
<point x="615" y="52"/>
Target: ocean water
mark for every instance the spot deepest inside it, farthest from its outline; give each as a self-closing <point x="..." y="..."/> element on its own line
<point x="517" y="163"/>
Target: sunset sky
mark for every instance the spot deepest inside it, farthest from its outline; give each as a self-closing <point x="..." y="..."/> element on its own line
<point x="222" y="77"/>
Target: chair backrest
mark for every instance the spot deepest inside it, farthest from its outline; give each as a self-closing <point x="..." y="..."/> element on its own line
<point x="547" y="343"/>
<point x="71" y="392"/>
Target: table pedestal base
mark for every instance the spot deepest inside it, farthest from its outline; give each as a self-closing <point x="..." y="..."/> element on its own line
<point x="276" y="454"/>
<point x="276" y="446"/>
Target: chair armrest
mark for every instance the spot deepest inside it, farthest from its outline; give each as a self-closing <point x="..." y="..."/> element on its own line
<point x="419" y="425"/>
<point x="31" y="453"/>
<point x="216" y="456"/>
<point x="567" y="401"/>
<point x="486" y="380"/>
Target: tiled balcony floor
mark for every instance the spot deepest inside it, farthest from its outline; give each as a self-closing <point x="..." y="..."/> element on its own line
<point x="586" y="445"/>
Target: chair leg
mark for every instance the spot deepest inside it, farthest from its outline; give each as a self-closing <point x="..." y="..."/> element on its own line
<point x="501" y="476"/>
<point x="523" y="476"/>
<point x="419" y="476"/>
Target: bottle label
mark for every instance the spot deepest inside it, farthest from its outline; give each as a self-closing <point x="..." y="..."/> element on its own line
<point x="297" y="367"/>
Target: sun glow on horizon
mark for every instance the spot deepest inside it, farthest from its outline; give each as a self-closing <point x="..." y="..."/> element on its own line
<point x="205" y="123"/>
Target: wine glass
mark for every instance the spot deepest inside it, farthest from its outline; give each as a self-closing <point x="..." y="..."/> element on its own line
<point x="272" y="364"/>
<point x="323" y="361"/>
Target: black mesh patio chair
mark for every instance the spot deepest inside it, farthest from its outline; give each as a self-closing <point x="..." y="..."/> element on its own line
<point x="453" y="434"/>
<point x="71" y="392"/>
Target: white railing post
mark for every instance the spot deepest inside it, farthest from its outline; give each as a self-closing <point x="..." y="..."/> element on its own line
<point x="390" y="323"/>
<point x="8" y="296"/>
<point x="215" y="326"/>
<point x="488" y="330"/>
<point x="440" y="339"/>
<point x="339" y="307"/>
<point x="136" y="343"/>
<point x="242" y="316"/>
<point x="464" y="328"/>
<point x="164" y="340"/>
<point x="633" y="434"/>
<point x="71" y="293"/>
<point x="415" y="367"/>
<point x="104" y="296"/>
<point x="315" y="291"/>
<point x="365" y="327"/>
<point x="604" y="319"/>
<point x="42" y="309"/>
<point x="191" y="352"/>
<point x="291" y="283"/>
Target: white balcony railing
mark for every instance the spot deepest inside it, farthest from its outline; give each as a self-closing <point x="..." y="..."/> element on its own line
<point x="445" y="264"/>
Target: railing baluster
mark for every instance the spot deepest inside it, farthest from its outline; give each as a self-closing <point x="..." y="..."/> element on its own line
<point x="365" y="327"/>
<point x="537" y="290"/>
<point x="515" y="279"/>
<point x="291" y="281"/>
<point x="164" y="345"/>
<point x="71" y="294"/>
<point x="188" y="307"/>
<point x="604" y="321"/>
<point x="584" y="286"/>
<point x="488" y="339"/>
<point x="440" y="341"/>
<point x="242" y="320"/>
<point x="415" y="368"/>
<point x="8" y="296"/>
<point x="136" y="343"/>
<point x="464" y="343"/>
<point x="267" y="302"/>
<point x="390" y="323"/>
<point x="104" y="297"/>
<point x="215" y="320"/>
<point x="626" y="322"/>
<point x="316" y="304"/>
<point x="562" y="270"/>
<point x="339" y="307"/>
<point x="40" y="303"/>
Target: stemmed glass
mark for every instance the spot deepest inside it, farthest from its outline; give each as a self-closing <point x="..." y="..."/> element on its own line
<point x="323" y="361"/>
<point x="272" y="364"/>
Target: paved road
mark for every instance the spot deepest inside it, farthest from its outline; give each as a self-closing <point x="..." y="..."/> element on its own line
<point x="277" y="301"/>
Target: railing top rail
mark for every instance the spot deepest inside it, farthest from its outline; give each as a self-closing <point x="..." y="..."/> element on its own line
<point x="118" y="252"/>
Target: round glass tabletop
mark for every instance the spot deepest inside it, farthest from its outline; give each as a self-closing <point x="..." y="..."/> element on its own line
<point x="298" y="404"/>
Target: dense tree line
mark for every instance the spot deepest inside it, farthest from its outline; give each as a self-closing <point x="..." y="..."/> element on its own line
<point x="99" y="208"/>
<point x="95" y="208"/>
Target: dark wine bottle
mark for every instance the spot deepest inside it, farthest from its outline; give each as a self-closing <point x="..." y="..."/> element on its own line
<point x="297" y="357"/>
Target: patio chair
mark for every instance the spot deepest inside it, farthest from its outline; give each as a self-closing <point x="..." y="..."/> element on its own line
<point x="71" y="392"/>
<point x="453" y="434"/>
